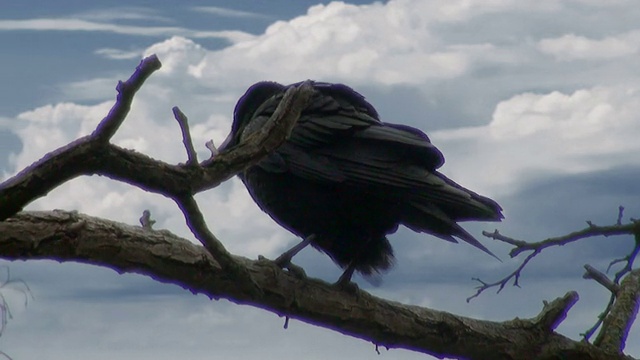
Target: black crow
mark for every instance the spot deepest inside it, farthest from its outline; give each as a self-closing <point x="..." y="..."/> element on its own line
<point x="344" y="179"/>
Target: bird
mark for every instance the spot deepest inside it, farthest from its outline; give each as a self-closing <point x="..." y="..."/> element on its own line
<point x="344" y="179"/>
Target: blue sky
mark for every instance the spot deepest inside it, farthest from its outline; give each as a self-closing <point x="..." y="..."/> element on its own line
<point x="534" y="103"/>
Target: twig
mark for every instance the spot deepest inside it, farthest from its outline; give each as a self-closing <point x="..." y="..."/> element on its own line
<point x="126" y="90"/>
<point x="611" y="332"/>
<point x="198" y="226"/>
<point x="76" y="158"/>
<point x="592" y="330"/>
<point x="497" y="236"/>
<point x="620" y="214"/>
<point x="616" y="326"/>
<point x="537" y="247"/>
<point x="270" y="135"/>
<point x="600" y="278"/>
<point x="212" y="147"/>
<point x="146" y="221"/>
<point x="503" y="282"/>
<point x="591" y="273"/>
<point x="10" y="284"/>
<point x="591" y="231"/>
<point x="181" y="118"/>
<point x="629" y="259"/>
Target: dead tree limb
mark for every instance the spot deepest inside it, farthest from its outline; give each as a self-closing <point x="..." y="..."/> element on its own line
<point x="68" y="236"/>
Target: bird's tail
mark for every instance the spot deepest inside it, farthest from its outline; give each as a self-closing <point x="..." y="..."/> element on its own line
<point x="437" y="209"/>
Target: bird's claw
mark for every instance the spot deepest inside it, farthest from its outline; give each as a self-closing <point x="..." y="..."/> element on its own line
<point x="284" y="262"/>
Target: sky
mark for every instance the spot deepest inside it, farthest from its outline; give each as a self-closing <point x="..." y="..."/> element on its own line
<point x="534" y="103"/>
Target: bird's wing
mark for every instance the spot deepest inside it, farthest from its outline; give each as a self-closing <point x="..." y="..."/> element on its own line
<point x="339" y="138"/>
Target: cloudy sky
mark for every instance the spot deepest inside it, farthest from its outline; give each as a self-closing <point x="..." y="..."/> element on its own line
<point x="534" y="103"/>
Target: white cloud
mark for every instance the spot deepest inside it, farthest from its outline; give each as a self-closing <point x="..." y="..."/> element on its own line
<point x="96" y="89"/>
<point x="76" y="24"/>
<point x="388" y="43"/>
<point x="122" y="13"/>
<point x="600" y="4"/>
<point x="226" y="12"/>
<point x="118" y="54"/>
<point x="573" y="47"/>
<point x="462" y="10"/>
<point x="534" y="135"/>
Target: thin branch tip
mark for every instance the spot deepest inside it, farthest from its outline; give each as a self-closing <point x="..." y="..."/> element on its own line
<point x="145" y="220"/>
<point x="620" y="215"/>
<point x="126" y="90"/>
<point x="212" y="148"/>
<point x="602" y="279"/>
<point x="181" y="118"/>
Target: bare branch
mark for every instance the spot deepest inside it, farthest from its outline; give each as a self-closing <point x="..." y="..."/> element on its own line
<point x="591" y="273"/>
<point x="620" y="215"/>
<point x="87" y="156"/>
<point x="124" y="248"/>
<point x="503" y="282"/>
<point x="592" y="330"/>
<point x="181" y="118"/>
<point x="591" y="231"/>
<point x="601" y="278"/>
<point x="257" y="145"/>
<point x="75" y="158"/>
<point x="212" y="147"/>
<point x="616" y="326"/>
<point x="497" y="236"/>
<point x="629" y="260"/>
<point x="198" y="226"/>
<point x="537" y="247"/>
<point x="126" y="90"/>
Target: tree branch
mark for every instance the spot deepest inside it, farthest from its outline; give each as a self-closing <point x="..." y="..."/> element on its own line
<point x="591" y="231"/>
<point x="90" y="156"/>
<point x="126" y="90"/>
<point x="181" y="118"/>
<point x="68" y="236"/>
<point x="623" y="312"/>
<point x="601" y="278"/>
<point x="615" y="326"/>
<point x="536" y="248"/>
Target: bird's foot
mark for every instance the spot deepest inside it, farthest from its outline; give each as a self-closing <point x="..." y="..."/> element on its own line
<point x="345" y="283"/>
<point x="284" y="262"/>
<point x="347" y="286"/>
<point x="296" y="270"/>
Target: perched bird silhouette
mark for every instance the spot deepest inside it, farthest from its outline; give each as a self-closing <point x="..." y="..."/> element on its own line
<point x="344" y="180"/>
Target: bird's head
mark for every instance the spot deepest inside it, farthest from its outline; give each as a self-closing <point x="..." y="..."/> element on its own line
<point x="246" y="107"/>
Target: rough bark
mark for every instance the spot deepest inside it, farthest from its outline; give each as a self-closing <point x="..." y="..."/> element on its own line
<point x="68" y="236"/>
